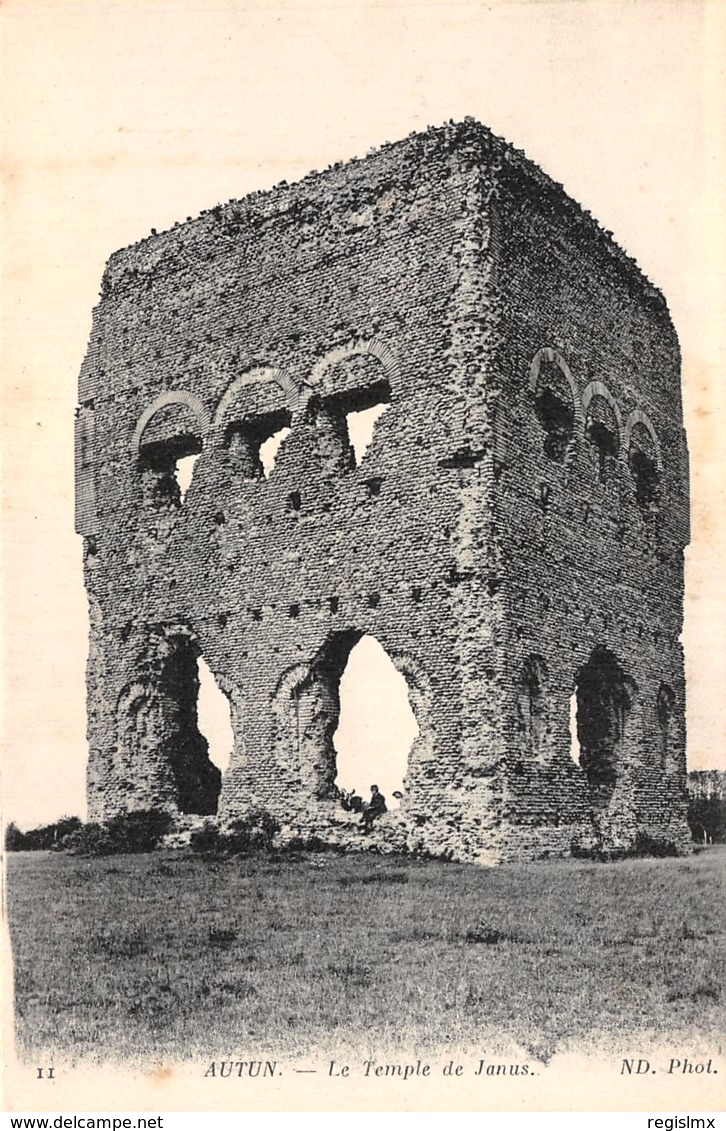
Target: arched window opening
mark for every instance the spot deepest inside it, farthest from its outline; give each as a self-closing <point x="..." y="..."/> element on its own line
<point x="254" y="443"/>
<point x="344" y="722"/>
<point x="554" y="408"/>
<point x="533" y="704"/>
<point x="601" y="429"/>
<point x="198" y="781"/>
<point x="346" y="423"/>
<point x="166" y="468"/>
<point x="605" y="697"/>
<point x="665" y="707"/>
<point x="215" y="720"/>
<point x="643" y="462"/>
<point x="376" y="725"/>
<point x="361" y="425"/>
<point x="574" y="740"/>
<point x="270" y="448"/>
<point x="184" y="473"/>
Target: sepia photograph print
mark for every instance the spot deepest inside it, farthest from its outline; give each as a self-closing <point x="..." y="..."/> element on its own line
<point x="363" y="575"/>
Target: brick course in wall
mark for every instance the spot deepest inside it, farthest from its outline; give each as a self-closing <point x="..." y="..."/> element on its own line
<point x="513" y="536"/>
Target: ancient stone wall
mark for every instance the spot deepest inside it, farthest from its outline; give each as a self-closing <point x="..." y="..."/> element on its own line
<point x="489" y="538"/>
<point x="592" y="513"/>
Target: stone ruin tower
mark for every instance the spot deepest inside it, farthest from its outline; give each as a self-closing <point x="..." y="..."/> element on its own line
<point x="513" y="536"/>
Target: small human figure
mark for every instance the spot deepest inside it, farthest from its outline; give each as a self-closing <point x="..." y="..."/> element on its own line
<point x="375" y="807"/>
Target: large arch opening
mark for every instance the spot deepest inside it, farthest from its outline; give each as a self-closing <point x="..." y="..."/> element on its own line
<point x="345" y="722"/>
<point x="197" y="780"/>
<point x="214" y="717"/>
<point x="605" y="697"/>
<point x="376" y="725"/>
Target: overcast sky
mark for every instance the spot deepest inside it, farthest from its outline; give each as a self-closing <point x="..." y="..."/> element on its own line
<point x="123" y="117"/>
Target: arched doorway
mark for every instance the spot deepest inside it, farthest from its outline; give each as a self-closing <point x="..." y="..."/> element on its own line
<point x="376" y="726"/>
<point x="214" y="717"/>
<point x="605" y="697"/>
<point x="345" y="721"/>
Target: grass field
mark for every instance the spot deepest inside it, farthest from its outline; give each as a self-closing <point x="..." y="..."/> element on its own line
<point x="171" y="956"/>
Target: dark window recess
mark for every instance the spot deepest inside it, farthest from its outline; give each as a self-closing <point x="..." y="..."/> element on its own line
<point x="374" y="485"/>
<point x="257" y="614"/>
<point x="220" y="518"/>
<point x="334" y="604"/>
<point x="374" y="600"/>
<point x="416" y="593"/>
<point x="222" y="619"/>
<point x="555" y="410"/>
<point x="295" y="501"/>
<point x="558" y="420"/>
<point x="645" y="474"/>
<point x="294" y="611"/>
<point x="245" y="440"/>
<point x="643" y="464"/>
<point x="605" y="443"/>
<point x="601" y="429"/>
<point x="158" y="463"/>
